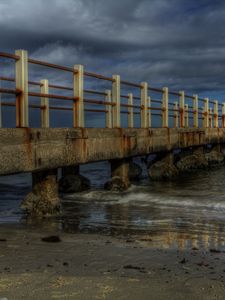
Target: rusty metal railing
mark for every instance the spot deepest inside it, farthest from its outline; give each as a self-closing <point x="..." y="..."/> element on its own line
<point x="140" y="99"/>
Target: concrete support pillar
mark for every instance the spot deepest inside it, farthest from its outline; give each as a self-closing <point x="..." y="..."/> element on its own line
<point x="216" y="147"/>
<point x="222" y="148"/>
<point x="120" y="168"/>
<point x="43" y="200"/>
<point x="162" y="167"/>
<point x="167" y="157"/>
<point x="72" y="181"/>
<point x="215" y="156"/>
<point x="70" y="170"/>
<point x="191" y="159"/>
<point x="120" y="175"/>
<point x="199" y="150"/>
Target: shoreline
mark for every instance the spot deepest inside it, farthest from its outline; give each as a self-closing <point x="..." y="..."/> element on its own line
<point x="93" y="266"/>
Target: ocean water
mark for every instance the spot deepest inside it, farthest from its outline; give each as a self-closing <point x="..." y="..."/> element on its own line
<point x="188" y="212"/>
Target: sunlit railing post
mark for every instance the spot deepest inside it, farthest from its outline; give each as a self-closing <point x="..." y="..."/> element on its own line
<point x="78" y="90"/>
<point x="186" y="114"/>
<point x="44" y="104"/>
<point x="144" y="105"/>
<point x="149" y="112"/>
<point x="0" y="113"/>
<point x="210" y="117"/>
<point x="165" y="117"/>
<point x="130" y="111"/>
<point x="223" y="114"/>
<point x="181" y="109"/>
<point x="206" y="113"/>
<point x="195" y="111"/>
<point x="22" y="109"/>
<point x="215" y="114"/>
<point x="175" y="117"/>
<point x="108" y="99"/>
<point x="116" y="101"/>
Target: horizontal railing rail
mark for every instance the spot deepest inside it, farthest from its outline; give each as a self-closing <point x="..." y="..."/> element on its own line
<point x="112" y="102"/>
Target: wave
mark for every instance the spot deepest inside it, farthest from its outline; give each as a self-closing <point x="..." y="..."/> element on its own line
<point x="142" y="198"/>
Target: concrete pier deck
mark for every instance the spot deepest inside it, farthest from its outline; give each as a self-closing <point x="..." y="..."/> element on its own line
<point x="29" y="150"/>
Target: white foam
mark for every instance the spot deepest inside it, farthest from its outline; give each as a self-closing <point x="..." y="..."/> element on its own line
<point x="141" y="198"/>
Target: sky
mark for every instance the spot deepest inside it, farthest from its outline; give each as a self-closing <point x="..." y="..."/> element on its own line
<point x="174" y="43"/>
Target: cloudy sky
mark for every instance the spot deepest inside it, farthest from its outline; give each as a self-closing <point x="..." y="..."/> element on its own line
<point x="175" y="43"/>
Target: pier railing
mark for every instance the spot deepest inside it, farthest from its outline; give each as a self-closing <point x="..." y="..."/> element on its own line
<point x="139" y="100"/>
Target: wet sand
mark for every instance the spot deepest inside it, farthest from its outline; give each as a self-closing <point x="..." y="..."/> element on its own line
<point x="91" y="266"/>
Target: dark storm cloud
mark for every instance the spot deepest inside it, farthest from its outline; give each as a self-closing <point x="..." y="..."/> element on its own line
<point x="175" y="43"/>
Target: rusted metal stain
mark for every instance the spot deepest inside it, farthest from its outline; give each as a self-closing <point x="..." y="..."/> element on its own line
<point x="128" y="142"/>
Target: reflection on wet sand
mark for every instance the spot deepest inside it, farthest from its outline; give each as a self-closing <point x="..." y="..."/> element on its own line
<point x="203" y="240"/>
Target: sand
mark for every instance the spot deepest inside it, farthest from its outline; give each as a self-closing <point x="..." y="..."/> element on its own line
<point x="92" y="266"/>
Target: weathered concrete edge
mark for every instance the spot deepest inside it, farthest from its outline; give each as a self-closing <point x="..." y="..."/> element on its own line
<point x="30" y="149"/>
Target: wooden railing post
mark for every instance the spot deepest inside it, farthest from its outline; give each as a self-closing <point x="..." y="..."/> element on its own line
<point x="182" y="99"/>
<point x="78" y="91"/>
<point x="0" y="107"/>
<point x="210" y="117"/>
<point x="144" y="105"/>
<point x="175" y="120"/>
<point x="223" y="114"/>
<point x="108" y="98"/>
<point x="215" y="114"/>
<point x="206" y="113"/>
<point x="165" y="117"/>
<point x="45" y="103"/>
<point x="186" y="116"/>
<point x="130" y="111"/>
<point x="149" y="112"/>
<point x="116" y="101"/>
<point x="22" y="108"/>
<point x="195" y="111"/>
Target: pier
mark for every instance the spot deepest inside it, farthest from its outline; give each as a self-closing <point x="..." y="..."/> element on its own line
<point x="136" y="120"/>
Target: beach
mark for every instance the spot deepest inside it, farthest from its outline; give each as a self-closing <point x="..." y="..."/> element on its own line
<point x="55" y="265"/>
<point x="158" y="240"/>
